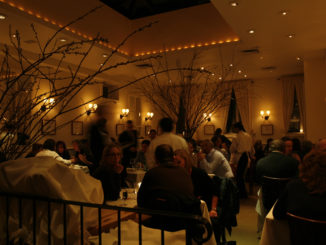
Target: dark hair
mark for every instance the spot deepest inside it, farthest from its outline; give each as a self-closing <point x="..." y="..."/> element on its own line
<point x="239" y="126"/>
<point x="49" y="144"/>
<point x="307" y="146"/>
<point x="152" y="130"/>
<point x="166" y="124"/>
<point x="60" y="143"/>
<point x="36" y="147"/>
<point x="164" y="154"/>
<point x="218" y="131"/>
<point x="129" y="122"/>
<point x="193" y="142"/>
<point x="146" y="142"/>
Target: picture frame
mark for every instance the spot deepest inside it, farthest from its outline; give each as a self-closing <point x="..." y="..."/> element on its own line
<point x="48" y="127"/>
<point x="147" y="129"/>
<point x="77" y="128"/>
<point x="209" y="130"/>
<point x="267" y="129"/>
<point x="119" y="128"/>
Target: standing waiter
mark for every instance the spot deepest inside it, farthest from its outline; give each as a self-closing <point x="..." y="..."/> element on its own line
<point x="242" y="150"/>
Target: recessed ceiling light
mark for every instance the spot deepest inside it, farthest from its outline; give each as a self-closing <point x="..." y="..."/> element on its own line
<point x="101" y="64"/>
<point x="284" y="12"/>
<point x="251" y="31"/>
<point x="202" y="68"/>
<point x="245" y="75"/>
<point x="213" y="74"/>
<point x="62" y="40"/>
<point x="239" y="71"/>
<point x="291" y="36"/>
<point x="105" y="55"/>
<point x="14" y="35"/>
<point x="298" y="58"/>
<point x="3" y="17"/>
<point x="220" y="78"/>
<point x="234" y="4"/>
<point x="231" y="65"/>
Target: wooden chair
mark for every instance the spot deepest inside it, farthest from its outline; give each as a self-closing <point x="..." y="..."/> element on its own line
<point x="305" y="231"/>
<point x="271" y="189"/>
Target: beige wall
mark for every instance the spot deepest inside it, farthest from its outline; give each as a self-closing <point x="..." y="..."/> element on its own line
<point x="315" y="96"/>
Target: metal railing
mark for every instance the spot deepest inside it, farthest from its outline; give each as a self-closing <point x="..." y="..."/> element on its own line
<point x="192" y="223"/>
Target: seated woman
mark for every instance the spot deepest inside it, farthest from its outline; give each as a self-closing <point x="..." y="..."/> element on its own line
<point x="109" y="172"/>
<point x="306" y="196"/>
<point x="61" y="149"/>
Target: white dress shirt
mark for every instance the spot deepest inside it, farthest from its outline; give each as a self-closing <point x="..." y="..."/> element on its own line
<point x="216" y="163"/>
<point x="175" y="141"/>
<point x="53" y="154"/>
<point x="240" y="144"/>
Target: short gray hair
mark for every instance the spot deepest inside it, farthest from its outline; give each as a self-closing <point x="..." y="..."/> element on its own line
<point x="277" y="145"/>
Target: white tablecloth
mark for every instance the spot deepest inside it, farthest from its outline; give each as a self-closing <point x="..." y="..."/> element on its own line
<point x="135" y="175"/>
<point x="275" y="232"/>
<point x="129" y="231"/>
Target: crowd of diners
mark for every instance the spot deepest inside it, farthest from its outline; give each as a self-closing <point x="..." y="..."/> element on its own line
<point x="184" y="167"/>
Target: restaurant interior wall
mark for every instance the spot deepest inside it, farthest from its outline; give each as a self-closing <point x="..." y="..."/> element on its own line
<point x="315" y="98"/>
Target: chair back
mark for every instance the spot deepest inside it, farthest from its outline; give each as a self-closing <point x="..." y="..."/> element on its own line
<point x="305" y="231"/>
<point x="271" y="189"/>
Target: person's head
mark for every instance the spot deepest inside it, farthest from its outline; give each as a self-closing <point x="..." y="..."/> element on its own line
<point x="192" y="145"/>
<point x="60" y="147"/>
<point x="312" y="171"/>
<point x="269" y="141"/>
<point x="217" y="141"/>
<point x="307" y="146"/>
<point x="288" y="147"/>
<point x="218" y="131"/>
<point x="166" y="124"/>
<point x="144" y="145"/>
<point x="237" y="127"/>
<point x="321" y="145"/>
<point x="49" y="144"/>
<point x="75" y="145"/>
<point x="152" y="134"/>
<point x="258" y="145"/>
<point x="111" y="155"/>
<point x="183" y="159"/>
<point x="163" y="154"/>
<point x="130" y="125"/>
<point x="207" y="146"/>
<point x="277" y="145"/>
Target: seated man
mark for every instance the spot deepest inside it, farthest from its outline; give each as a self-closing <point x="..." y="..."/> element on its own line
<point x="167" y="176"/>
<point x="49" y="151"/>
<point x="213" y="161"/>
<point x="276" y="165"/>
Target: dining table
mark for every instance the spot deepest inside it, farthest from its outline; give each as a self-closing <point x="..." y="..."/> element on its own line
<point x="275" y="232"/>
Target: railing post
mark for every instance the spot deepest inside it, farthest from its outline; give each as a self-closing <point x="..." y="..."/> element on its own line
<point x="162" y="237"/>
<point x="140" y="231"/>
<point x="99" y="226"/>
<point x="81" y="224"/>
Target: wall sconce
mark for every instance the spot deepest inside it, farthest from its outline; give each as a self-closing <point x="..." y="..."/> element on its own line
<point x="125" y="113"/>
<point x="91" y="108"/>
<point x="265" y="116"/>
<point x="48" y="103"/>
<point x="207" y="117"/>
<point x="150" y="116"/>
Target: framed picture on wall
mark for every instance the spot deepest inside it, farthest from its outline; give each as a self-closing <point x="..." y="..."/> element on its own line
<point x="119" y="128"/>
<point x="77" y="128"/>
<point x="209" y="129"/>
<point x="267" y="129"/>
<point x="147" y="129"/>
<point x="48" y="127"/>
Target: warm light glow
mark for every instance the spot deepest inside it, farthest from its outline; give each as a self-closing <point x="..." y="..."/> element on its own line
<point x="234" y="4"/>
<point x="301" y="130"/>
<point x="251" y="31"/>
<point x="2" y="17"/>
<point x="268" y="113"/>
<point x="284" y="13"/>
<point x="262" y="113"/>
<point x="291" y="36"/>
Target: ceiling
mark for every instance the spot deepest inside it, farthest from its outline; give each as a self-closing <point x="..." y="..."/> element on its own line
<point x="184" y="30"/>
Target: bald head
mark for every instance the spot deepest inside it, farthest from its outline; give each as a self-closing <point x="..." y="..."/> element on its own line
<point x="163" y="154"/>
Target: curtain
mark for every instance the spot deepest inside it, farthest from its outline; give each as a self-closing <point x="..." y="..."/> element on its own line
<point x="300" y="97"/>
<point x="242" y="97"/>
<point x="224" y="109"/>
<point x="289" y="85"/>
